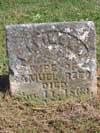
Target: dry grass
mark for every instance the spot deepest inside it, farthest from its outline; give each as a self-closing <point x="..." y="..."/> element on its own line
<point x="69" y="116"/>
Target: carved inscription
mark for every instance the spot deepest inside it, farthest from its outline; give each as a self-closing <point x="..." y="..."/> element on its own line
<point x="47" y="74"/>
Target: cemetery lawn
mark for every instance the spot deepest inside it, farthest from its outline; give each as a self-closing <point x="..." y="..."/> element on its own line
<point x="26" y="115"/>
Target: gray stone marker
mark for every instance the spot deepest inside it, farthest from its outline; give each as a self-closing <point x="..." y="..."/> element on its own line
<point x="52" y="59"/>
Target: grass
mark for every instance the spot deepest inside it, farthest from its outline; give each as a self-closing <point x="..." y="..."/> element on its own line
<point x="23" y="115"/>
<point x="30" y="11"/>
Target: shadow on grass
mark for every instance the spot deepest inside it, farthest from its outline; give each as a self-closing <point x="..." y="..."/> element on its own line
<point x="4" y="83"/>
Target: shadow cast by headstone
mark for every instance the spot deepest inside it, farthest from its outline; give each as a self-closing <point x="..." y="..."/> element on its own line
<point x="4" y="83"/>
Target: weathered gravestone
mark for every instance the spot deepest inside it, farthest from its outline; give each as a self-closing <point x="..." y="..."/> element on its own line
<point x="52" y="59"/>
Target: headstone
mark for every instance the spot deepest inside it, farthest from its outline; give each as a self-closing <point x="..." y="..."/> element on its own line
<point x="52" y="59"/>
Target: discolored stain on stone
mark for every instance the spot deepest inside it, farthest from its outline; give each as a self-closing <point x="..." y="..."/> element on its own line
<point x="52" y="59"/>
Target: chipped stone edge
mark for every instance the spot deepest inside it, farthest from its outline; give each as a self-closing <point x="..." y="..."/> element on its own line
<point x="90" y="23"/>
<point x="94" y="83"/>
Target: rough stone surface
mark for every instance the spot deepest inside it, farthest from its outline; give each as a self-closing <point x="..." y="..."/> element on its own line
<point x="52" y="59"/>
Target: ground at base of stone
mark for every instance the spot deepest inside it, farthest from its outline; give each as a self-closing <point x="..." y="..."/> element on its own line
<point x="70" y="116"/>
